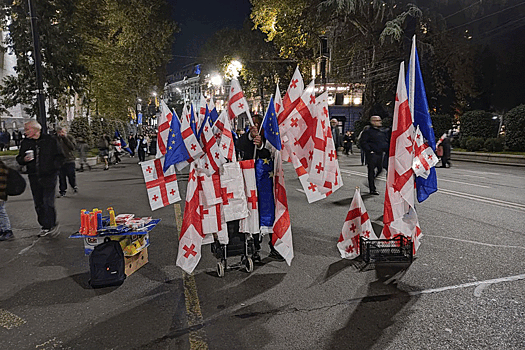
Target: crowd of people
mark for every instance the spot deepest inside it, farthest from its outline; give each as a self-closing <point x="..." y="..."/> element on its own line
<point x="51" y="158"/>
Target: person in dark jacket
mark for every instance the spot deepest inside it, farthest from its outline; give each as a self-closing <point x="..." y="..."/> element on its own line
<point x="42" y="156"/>
<point x="250" y="142"/>
<point x="142" y="148"/>
<point x="445" y="158"/>
<point x="375" y="142"/>
<point x="67" y="170"/>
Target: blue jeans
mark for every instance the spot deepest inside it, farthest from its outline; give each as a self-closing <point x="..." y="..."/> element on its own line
<point x="5" y="224"/>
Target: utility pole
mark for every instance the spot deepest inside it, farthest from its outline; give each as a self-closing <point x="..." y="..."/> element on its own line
<point x="38" y="68"/>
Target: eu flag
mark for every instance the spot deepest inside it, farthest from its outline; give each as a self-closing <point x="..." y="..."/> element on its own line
<point x="204" y="122"/>
<point x="193" y="122"/>
<point x="176" y="151"/>
<point x="271" y="127"/>
<point x="264" y="181"/>
<point x="418" y="99"/>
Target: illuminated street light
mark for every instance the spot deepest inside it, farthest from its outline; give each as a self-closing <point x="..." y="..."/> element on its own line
<point x="216" y="80"/>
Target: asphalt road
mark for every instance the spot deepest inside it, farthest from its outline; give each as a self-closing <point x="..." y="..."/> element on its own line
<point x="465" y="289"/>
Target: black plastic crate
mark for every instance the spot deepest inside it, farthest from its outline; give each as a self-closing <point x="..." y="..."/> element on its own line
<point x="398" y="249"/>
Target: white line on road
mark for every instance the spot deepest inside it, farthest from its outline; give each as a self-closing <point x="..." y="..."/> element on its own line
<point x="479" y="243"/>
<point x="470" y="284"/>
<point x="479" y="289"/>
<point x="463" y="183"/>
<point x="511" y="205"/>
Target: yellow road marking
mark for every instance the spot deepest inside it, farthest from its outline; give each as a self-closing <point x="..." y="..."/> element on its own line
<point x="193" y="307"/>
<point x="9" y="320"/>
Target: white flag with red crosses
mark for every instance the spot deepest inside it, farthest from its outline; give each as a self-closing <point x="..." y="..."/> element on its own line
<point x="232" y="187"/>
<point x="163" y="129"/>
<point x="237" y="103"/>
<point x="162" y="187"/>
<point x="250" y="224"/>
<point x="424" y="156"/>
<point x="191" y="233"/>
<point x="357" y="224"/>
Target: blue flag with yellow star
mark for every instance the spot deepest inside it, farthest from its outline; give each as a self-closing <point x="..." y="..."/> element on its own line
<point x="264" y="182"/>
<point x="271" y="127"/>
<point x="176" y="151"/>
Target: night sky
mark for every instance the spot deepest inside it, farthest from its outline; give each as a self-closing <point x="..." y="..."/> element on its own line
<point x="198" y="21"/>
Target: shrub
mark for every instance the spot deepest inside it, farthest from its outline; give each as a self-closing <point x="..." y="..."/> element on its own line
<point x="80" y="128"/>
<point x="514" y="122"/>
<point x="494" y="144"/>
<point x="478" y="124"/>
<point x="441" y="124"/>
<point x="474" y="143"/>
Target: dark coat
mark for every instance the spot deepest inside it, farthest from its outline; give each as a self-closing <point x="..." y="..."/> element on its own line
<point x="375" y="140"/>
<point x="245" y="148"/>
<point x="48" y="155"/>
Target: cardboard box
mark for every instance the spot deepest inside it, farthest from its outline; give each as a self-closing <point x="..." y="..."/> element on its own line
<point x="135" y="262"/>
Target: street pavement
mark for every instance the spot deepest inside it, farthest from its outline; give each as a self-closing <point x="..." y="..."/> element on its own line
<point x="465" y="290"/>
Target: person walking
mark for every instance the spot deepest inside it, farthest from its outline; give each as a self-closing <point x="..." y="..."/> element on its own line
<point x="375" y="142"/>
<point x="17" y="137"/>
<point x="42" y="156"/>
<point x="132" y="144"/>
<point x="447" y="148"/>
<point x="5" y="225"/>
<point x="67" y="170"/>
<point x="142" y="147"/>
<point x="103" y="147"/>
<point x="5" y="139"/>
<point x="338" y="142"/>
<point x="83" y="149"/>
<point x="347" y="142"/>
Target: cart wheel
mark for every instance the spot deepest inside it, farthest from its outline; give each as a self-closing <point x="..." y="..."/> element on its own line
<point x="249" y="264"/>
<point x="220" y="269"/>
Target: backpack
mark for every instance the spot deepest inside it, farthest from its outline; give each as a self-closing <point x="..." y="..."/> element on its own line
<point x="106" y="264"/>
<point x="16" y="184"/>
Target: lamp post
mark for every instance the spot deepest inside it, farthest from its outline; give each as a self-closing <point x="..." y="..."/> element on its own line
<point x="38" y="66"/>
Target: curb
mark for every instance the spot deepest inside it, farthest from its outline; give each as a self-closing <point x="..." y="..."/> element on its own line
<point x="489" y="158"/>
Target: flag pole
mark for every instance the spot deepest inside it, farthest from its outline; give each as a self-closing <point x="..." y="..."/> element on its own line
<point x="260" y="127"/>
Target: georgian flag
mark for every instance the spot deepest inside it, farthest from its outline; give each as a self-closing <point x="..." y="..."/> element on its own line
<point x="233" y="196"/>
<point x="357" y="224"/>
<point x="424" y="156"/>
<point x="190" y="140"/>
<point x="222" y="128"/>
<point x="299" y="127"/>
<point x="212" y="159"/>
<point x="282" y="228"/>
<point x="191" y="233"/>
<point x="162" y="187"/>
<point x="324" y="168"/>
<point x="294" y="92"/>
<point x="237" y="103"/>
<point x="163" y="129"/>
<point x="250" y="224"/>
<point x="399" y="215"/>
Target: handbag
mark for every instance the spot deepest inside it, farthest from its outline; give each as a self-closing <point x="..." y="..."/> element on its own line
<point x="16" y="184"/>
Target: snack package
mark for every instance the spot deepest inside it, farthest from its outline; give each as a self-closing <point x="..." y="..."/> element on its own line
<point x="122" y="219"/>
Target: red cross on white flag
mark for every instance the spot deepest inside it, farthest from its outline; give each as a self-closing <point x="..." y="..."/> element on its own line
<point x="163" y="128"/>
<point x="162" y="187"/>
<point x="250" y="224"/>
<point x="234" y="198"/>
<point x="190" y="140"/>
<point x="191" y="233"/>
<point x="222" y="127"/>
<point x="237" y="103"/>
<point x="282" y="228"/>
<point x="424" y="156"/>
<point x="357" y="224"/>
<point x="293" y="93"/>
<point x="399" y="215"/>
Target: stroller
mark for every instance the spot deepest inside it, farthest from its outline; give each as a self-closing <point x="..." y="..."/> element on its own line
<point x="239" y="244"/>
